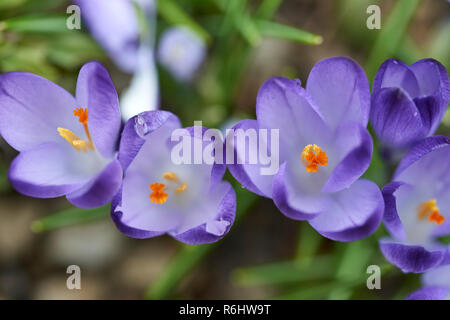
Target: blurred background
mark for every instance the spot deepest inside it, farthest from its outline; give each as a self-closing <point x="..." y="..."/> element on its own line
<point x="245" y="42"/>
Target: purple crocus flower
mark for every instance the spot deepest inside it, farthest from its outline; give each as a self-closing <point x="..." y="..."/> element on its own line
<point x="67" y="145"/>
<point x="324" y="148"/>
<point x="181" y="51"/>
<point x="408" y="102"/>
<point x="436" y="285"/>
<point x="418" y="207"/>
<point x="190" y="202"/>
<point x="114" y="24"/>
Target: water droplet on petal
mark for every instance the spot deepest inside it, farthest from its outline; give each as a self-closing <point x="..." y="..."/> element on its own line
<point x="140" y="126"/>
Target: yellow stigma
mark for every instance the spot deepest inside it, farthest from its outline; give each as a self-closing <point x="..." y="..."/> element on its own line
<point x="312" y="156"/>
<point x="159" y="195"/>
<point x="77" y="143"/>
<point x="431" y="210"/>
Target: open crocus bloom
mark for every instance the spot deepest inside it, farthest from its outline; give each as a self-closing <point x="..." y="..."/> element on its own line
<point x="67" y="145"/>
<point x="418" y="207"/>
<point x="190" y="202"/>
<point x="436" y="285"/>
<point x="408" y="102"/>
<point x="181" y="51"/>
<point x="324" y="148"/>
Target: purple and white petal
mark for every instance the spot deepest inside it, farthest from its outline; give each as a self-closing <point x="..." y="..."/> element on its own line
<point x="31" y="110"/>
<point x="412" y="258"/>
<point x="100" y="190"/>
<point x="394" y="73"/>
<point x="395" y="117"/>
<point x="354" y="146"/>
<point x="49" y="170"/>
<point x="354" y="213"/>
<point x="340" y="88"/>
<point x="96" y="92"/>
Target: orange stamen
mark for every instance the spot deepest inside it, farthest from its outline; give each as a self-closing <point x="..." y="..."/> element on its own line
<point x="435" y="216"/>
<point x="431" y="210"/>
<point x="312" y="157"/>
<point x="158" y="195"/>
<point x="76" y="142"/>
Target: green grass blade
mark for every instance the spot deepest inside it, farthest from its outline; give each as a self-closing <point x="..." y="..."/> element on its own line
<point x="36" y="24"/>
<point x="282" y="31"/>
<point x="268" y="8"/>
<point x="69" y="217"/>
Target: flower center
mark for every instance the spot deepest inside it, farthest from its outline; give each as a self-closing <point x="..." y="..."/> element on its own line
<point x="430" y="210"/>
<point x="77" y="143"/>
<point x="159" y="195"/>
<point x="312" y="156"/>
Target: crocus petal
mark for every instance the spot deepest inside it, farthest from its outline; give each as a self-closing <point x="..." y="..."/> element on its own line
<point x="394" y="73"/>
<point x="407" y="172"/>
<point x="433" y="78"/>
<point x="117" y="217"/>
<point x="114" y="25"/>
<point x="295" y="202"/>
<point x="284" y="105"/>
<point x="218" y="227"/>
<point x="395" y="117"/>
<point x="248" y="175"/>
<point x="411" y="258"/>
<point x="391" y="218"/>
<point x="340" y="88"/>
<point x="430" y="293"/>
<point x="434" y="90"/>
<point x="46" y="171"/>
<point x="137" y="127"/>
<point x="32" y="108"/>
<point x="354" y="213"/>
<point x="354" y="144"/>
<point x="96" y="92"/>
<point x="437" y="277"/>
<point x="100" y="190"/>
<point x="431" y="113"/>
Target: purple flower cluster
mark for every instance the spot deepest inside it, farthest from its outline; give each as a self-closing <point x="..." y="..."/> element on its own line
<point x="77" y="147"/>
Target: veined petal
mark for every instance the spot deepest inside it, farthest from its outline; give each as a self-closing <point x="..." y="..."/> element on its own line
<point x="433" y="78"/>
<point x="99" y="190"/>
<point x="340" y="88"/>
<point x="223" y="200"/>
<point x="248" y="174"/>
<point x="354" y="213"/>
<point x="394" y="73"/>
<point x="354" y="145"/>
<point x="31" y="110"/>
<point x="138" y="127"/>
<point x="411" y="258"/>
<point x="294" y="198"/>
<point x="391" y="218"/>
<point x="395" y="117"/>
<point x="46" y="171"/>
<point x="419" y="164"/>
<point x="284" y="105"/>
<point x="96" y="92"/>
